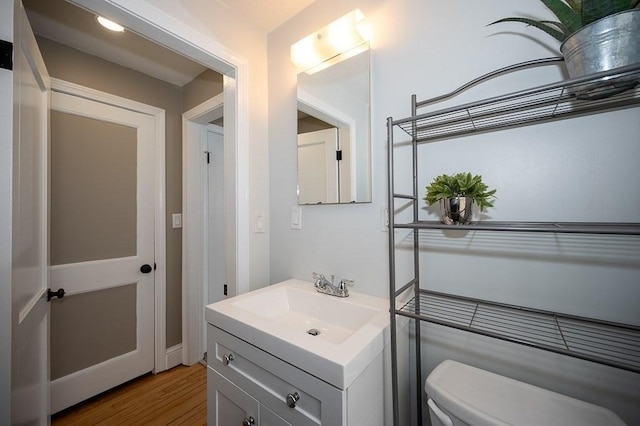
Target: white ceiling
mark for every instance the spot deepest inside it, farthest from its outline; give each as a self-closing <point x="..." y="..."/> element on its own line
<point x="267" y="14"/>
<point x="67" y="24"/>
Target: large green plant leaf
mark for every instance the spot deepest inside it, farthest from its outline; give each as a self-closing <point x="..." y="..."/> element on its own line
<point x="592" y="10"/>
<point x="551" y="30"/>
<point x="565" y="14"/>
<point x="576" y="5"/>
<point x="574" y="14"/>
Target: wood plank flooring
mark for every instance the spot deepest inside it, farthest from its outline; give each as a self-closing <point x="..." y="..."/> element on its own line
<point x="174" y="397"/>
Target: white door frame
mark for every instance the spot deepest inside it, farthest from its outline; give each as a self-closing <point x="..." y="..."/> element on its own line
<point x="158" y="26"/>
<point x="159" y="197"/>
<point x="193" y="240"/>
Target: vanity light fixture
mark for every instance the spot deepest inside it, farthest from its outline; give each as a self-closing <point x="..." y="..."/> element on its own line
<point x="110" y="25"/>
<point x="343" y="38"/>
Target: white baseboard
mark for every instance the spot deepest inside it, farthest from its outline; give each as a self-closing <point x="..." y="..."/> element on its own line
<point x="174" y="356"/>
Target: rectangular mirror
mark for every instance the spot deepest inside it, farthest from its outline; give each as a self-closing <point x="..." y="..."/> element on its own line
<point x="334" y="158"/>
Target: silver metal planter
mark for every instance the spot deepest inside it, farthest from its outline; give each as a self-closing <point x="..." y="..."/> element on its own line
<point x="606" y="44"/>
<point x="456" y="210"/>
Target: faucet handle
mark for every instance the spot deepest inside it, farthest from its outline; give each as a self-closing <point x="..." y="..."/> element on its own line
<point x="342" y="287"/>
<point x="344" y="283"/>
<point x="317" y="276"/>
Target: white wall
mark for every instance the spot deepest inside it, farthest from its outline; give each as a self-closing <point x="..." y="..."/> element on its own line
<point x="335" y="239"/>
<point x="575" y="170"/>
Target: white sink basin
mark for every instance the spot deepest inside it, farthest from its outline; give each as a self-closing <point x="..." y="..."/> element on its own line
<point x="297" y="309"/>
<point x="332" y="338"/>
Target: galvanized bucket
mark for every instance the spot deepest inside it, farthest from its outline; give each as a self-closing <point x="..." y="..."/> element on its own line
<point x="456" y="210"/>
<point x="606" y="44"/>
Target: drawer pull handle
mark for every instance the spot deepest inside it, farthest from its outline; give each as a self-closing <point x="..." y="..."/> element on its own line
<point x="292" y="399"/>
<point x="226" y="359"/>
<point x="249" y="421"/>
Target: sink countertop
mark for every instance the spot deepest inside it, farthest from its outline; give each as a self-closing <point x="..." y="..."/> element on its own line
<point x="355" y="333"/>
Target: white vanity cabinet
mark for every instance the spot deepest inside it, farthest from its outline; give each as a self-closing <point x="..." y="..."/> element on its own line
<point x="248" y="386"/>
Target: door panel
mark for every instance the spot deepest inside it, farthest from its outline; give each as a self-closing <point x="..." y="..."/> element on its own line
<point x="99" y="325"/>
<point x="318" y="167"/>
<point x="102" y="221"/>
<point x="93" y="192"/>
<point x="29" y="245"/>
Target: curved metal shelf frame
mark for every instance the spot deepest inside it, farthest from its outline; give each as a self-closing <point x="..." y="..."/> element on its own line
<point x="579" y="96"/>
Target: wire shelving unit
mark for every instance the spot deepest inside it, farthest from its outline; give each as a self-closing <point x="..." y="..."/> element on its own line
<point x="607" y="343"/>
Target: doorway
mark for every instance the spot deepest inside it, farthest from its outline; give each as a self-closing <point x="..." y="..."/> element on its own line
<point x="103" y="240"/>
<point x="207" y="154"/>
<point x="177" y="36"/>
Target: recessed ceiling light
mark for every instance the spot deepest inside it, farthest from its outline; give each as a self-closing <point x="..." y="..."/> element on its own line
<point x="110" y="25"/>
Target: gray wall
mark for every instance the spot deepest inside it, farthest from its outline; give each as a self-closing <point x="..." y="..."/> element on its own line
<point x="201" y="88"/>
<point x="80" y="68"/>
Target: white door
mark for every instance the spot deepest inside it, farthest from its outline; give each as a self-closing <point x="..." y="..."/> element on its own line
<point x="318" y="167"/>
<point x="215" y="217"/>
<point x="30" y="310"/>
<point x="215" y="270"/>
<point x="102" y="247"/>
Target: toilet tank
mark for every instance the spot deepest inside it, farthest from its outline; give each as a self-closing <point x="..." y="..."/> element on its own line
<point x="460" y="395"/>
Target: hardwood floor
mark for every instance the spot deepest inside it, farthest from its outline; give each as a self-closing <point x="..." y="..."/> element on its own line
<point x="174" y="397"/>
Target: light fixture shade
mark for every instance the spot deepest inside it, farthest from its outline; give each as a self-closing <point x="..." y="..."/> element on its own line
<point x="343" y="38"/>
<point x="110" y="25"/>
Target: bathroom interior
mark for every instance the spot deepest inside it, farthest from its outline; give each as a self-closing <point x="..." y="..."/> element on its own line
<point x="581" y="169"/>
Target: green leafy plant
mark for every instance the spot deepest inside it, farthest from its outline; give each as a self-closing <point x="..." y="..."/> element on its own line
<point x="574" y="14"/>
<point x="460" y="185"/>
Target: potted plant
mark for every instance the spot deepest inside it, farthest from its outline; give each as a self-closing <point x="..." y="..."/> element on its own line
<point x="595" y="35"/>
<point x="456" y="194"/>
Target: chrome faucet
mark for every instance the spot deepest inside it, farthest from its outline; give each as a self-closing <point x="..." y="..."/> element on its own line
<point x="325" y="286"/>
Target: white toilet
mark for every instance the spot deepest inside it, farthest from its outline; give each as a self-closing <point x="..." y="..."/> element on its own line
<point x="462" y="395"/>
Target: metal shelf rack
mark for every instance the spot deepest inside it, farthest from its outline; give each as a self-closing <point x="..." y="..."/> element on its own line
<point x="607" y="343"/>
<point x="599" y="92"/>
<point x="613" y="344"/>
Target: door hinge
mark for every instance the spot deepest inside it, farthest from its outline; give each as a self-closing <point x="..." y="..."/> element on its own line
<point x="6" y="55"/>
<point x="339" y="155"/>
<point x="225" y="289"/>
<point x="208" y="157"/>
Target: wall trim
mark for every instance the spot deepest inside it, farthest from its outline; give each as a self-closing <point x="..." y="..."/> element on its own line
<point x="173" y="356"/>
<point x="160" y="278"/>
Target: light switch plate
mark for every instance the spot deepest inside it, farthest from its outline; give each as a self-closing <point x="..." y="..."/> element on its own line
<point x="176" y="220"/>
<point x="296" y="218"/>
<point x="258" y="225"/>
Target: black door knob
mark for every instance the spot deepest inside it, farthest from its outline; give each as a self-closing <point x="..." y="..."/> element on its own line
<point x="146" y="268"/>
<point x="51" y="294"/>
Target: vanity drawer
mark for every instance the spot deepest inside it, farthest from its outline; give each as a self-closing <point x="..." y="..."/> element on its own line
<point x="270" y="380"/>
